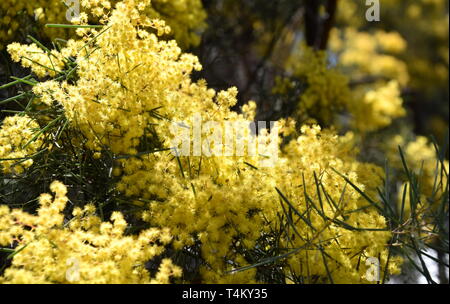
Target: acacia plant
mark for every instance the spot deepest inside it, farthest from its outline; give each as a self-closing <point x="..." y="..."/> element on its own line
<point x="92" y="121"/>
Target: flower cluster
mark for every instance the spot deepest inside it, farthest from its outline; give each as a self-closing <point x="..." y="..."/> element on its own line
<point x="310" y="183"/>
<point x="126" y="86"/>
<point x="32" y="56"/>
<point x="50" y="249"/>
<point x="378" y="108"/>
<point x="17" y="143"/>
<point x="327" y="88"/>
<point x="371" y="55"/>
<point x="186" y="16"/>
<point x="404" y="53"/>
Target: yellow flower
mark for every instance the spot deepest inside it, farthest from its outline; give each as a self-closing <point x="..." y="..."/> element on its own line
<point x="52" y="252"/>
<point x="17" y="143"/>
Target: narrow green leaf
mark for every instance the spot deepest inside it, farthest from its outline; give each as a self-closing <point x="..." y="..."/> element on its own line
<point x="18" y="80"/>
<point x="295" y="210"/>
<point x="371" y="201"/>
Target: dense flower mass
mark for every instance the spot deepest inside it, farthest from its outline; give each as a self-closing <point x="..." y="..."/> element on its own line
<point x="18" y="142"/>
<point x="378" y="108"/>
<point x="328" y="92"/>
<point x="372" y="55"/>
<point x="327" y="89"/>
<point x="82" y="250"/>
<point x="120" y="87"/>
<point x="186" y="16"/>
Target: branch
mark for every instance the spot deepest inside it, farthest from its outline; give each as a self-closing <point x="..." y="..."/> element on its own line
<point x="312" y="22"/>
<point x="328" y="23"/>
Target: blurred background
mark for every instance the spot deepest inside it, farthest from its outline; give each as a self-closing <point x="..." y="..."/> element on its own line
<point x="249" y="43"/>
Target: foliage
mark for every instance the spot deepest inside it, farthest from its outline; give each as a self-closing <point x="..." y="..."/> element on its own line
<point x="95" y="125"/>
